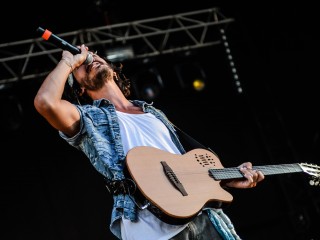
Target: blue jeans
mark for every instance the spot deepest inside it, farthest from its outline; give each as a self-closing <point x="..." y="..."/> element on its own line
<point x="200" y="228"/>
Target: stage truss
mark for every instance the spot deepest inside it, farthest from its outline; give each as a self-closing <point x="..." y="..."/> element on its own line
<point x="34" y="58"/>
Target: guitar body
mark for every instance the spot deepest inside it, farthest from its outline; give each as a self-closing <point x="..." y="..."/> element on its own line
<point x="145" y="166"/>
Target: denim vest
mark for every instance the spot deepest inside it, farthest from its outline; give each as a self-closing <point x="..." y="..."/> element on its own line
<point x="100" y="140"/>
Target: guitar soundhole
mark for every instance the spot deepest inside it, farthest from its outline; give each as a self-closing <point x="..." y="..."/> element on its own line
<point x="204" y="160"/>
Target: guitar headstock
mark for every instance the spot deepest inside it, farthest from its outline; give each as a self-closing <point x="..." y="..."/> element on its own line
<point x="314" y="171"/>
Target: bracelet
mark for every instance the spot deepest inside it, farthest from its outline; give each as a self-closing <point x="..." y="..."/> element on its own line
<point x="66" y="61"/>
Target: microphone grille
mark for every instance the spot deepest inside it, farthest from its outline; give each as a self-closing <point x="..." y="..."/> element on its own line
<point x="89" y="59"/>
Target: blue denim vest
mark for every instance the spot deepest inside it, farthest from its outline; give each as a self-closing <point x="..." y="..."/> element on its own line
<point x="100" y="140"/>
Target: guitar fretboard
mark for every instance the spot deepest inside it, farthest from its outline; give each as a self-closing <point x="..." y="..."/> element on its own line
<point x="234" y="172"/>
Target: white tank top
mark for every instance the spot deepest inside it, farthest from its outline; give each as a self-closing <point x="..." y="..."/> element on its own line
<point x="146" y="130"/>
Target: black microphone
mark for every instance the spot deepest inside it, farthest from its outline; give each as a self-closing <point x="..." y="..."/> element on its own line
<point x="49" y="36"/>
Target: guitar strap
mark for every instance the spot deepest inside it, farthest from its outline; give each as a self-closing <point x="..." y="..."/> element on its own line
<point x="190" y="142"/>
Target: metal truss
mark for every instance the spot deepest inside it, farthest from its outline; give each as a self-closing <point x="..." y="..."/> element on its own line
<point x="33" y="58"/>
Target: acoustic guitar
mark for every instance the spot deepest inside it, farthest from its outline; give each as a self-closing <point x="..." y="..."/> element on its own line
<point x="177" y="187"/>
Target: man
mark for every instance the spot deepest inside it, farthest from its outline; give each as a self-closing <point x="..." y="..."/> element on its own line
<point x="106" y="126"/>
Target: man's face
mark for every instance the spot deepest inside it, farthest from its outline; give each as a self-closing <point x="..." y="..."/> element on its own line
<point x="93" y="76"/>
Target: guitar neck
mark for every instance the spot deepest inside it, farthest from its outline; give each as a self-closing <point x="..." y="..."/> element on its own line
<point x="234" y="172"/>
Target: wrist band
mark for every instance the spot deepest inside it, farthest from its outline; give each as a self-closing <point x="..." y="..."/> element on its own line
<point x="66" y="61"/>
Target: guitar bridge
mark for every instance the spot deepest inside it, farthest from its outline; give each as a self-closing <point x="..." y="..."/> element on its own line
<point x="173" y="178"/>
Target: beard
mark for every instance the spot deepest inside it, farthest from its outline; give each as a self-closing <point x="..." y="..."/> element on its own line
<point x="98" y="80"/>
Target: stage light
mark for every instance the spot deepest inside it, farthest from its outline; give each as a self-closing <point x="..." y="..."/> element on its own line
<point x="147" y="84"/>
<point x="119" y="54"/>
<point x="191" y="76"/>
<point x="150" y="92"/>
<point x="198" y="84"/>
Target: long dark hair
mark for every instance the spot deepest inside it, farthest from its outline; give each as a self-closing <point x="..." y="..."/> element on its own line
<point x="72" y="88"/>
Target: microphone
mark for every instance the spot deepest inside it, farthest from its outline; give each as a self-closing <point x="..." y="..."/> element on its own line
<point x="49" y="36"/>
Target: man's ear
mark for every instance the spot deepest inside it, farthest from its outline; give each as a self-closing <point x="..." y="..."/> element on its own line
<point x="115" y="77"/>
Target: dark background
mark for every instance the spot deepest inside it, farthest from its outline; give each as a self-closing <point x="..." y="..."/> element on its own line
<point x="50" y="191"/>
